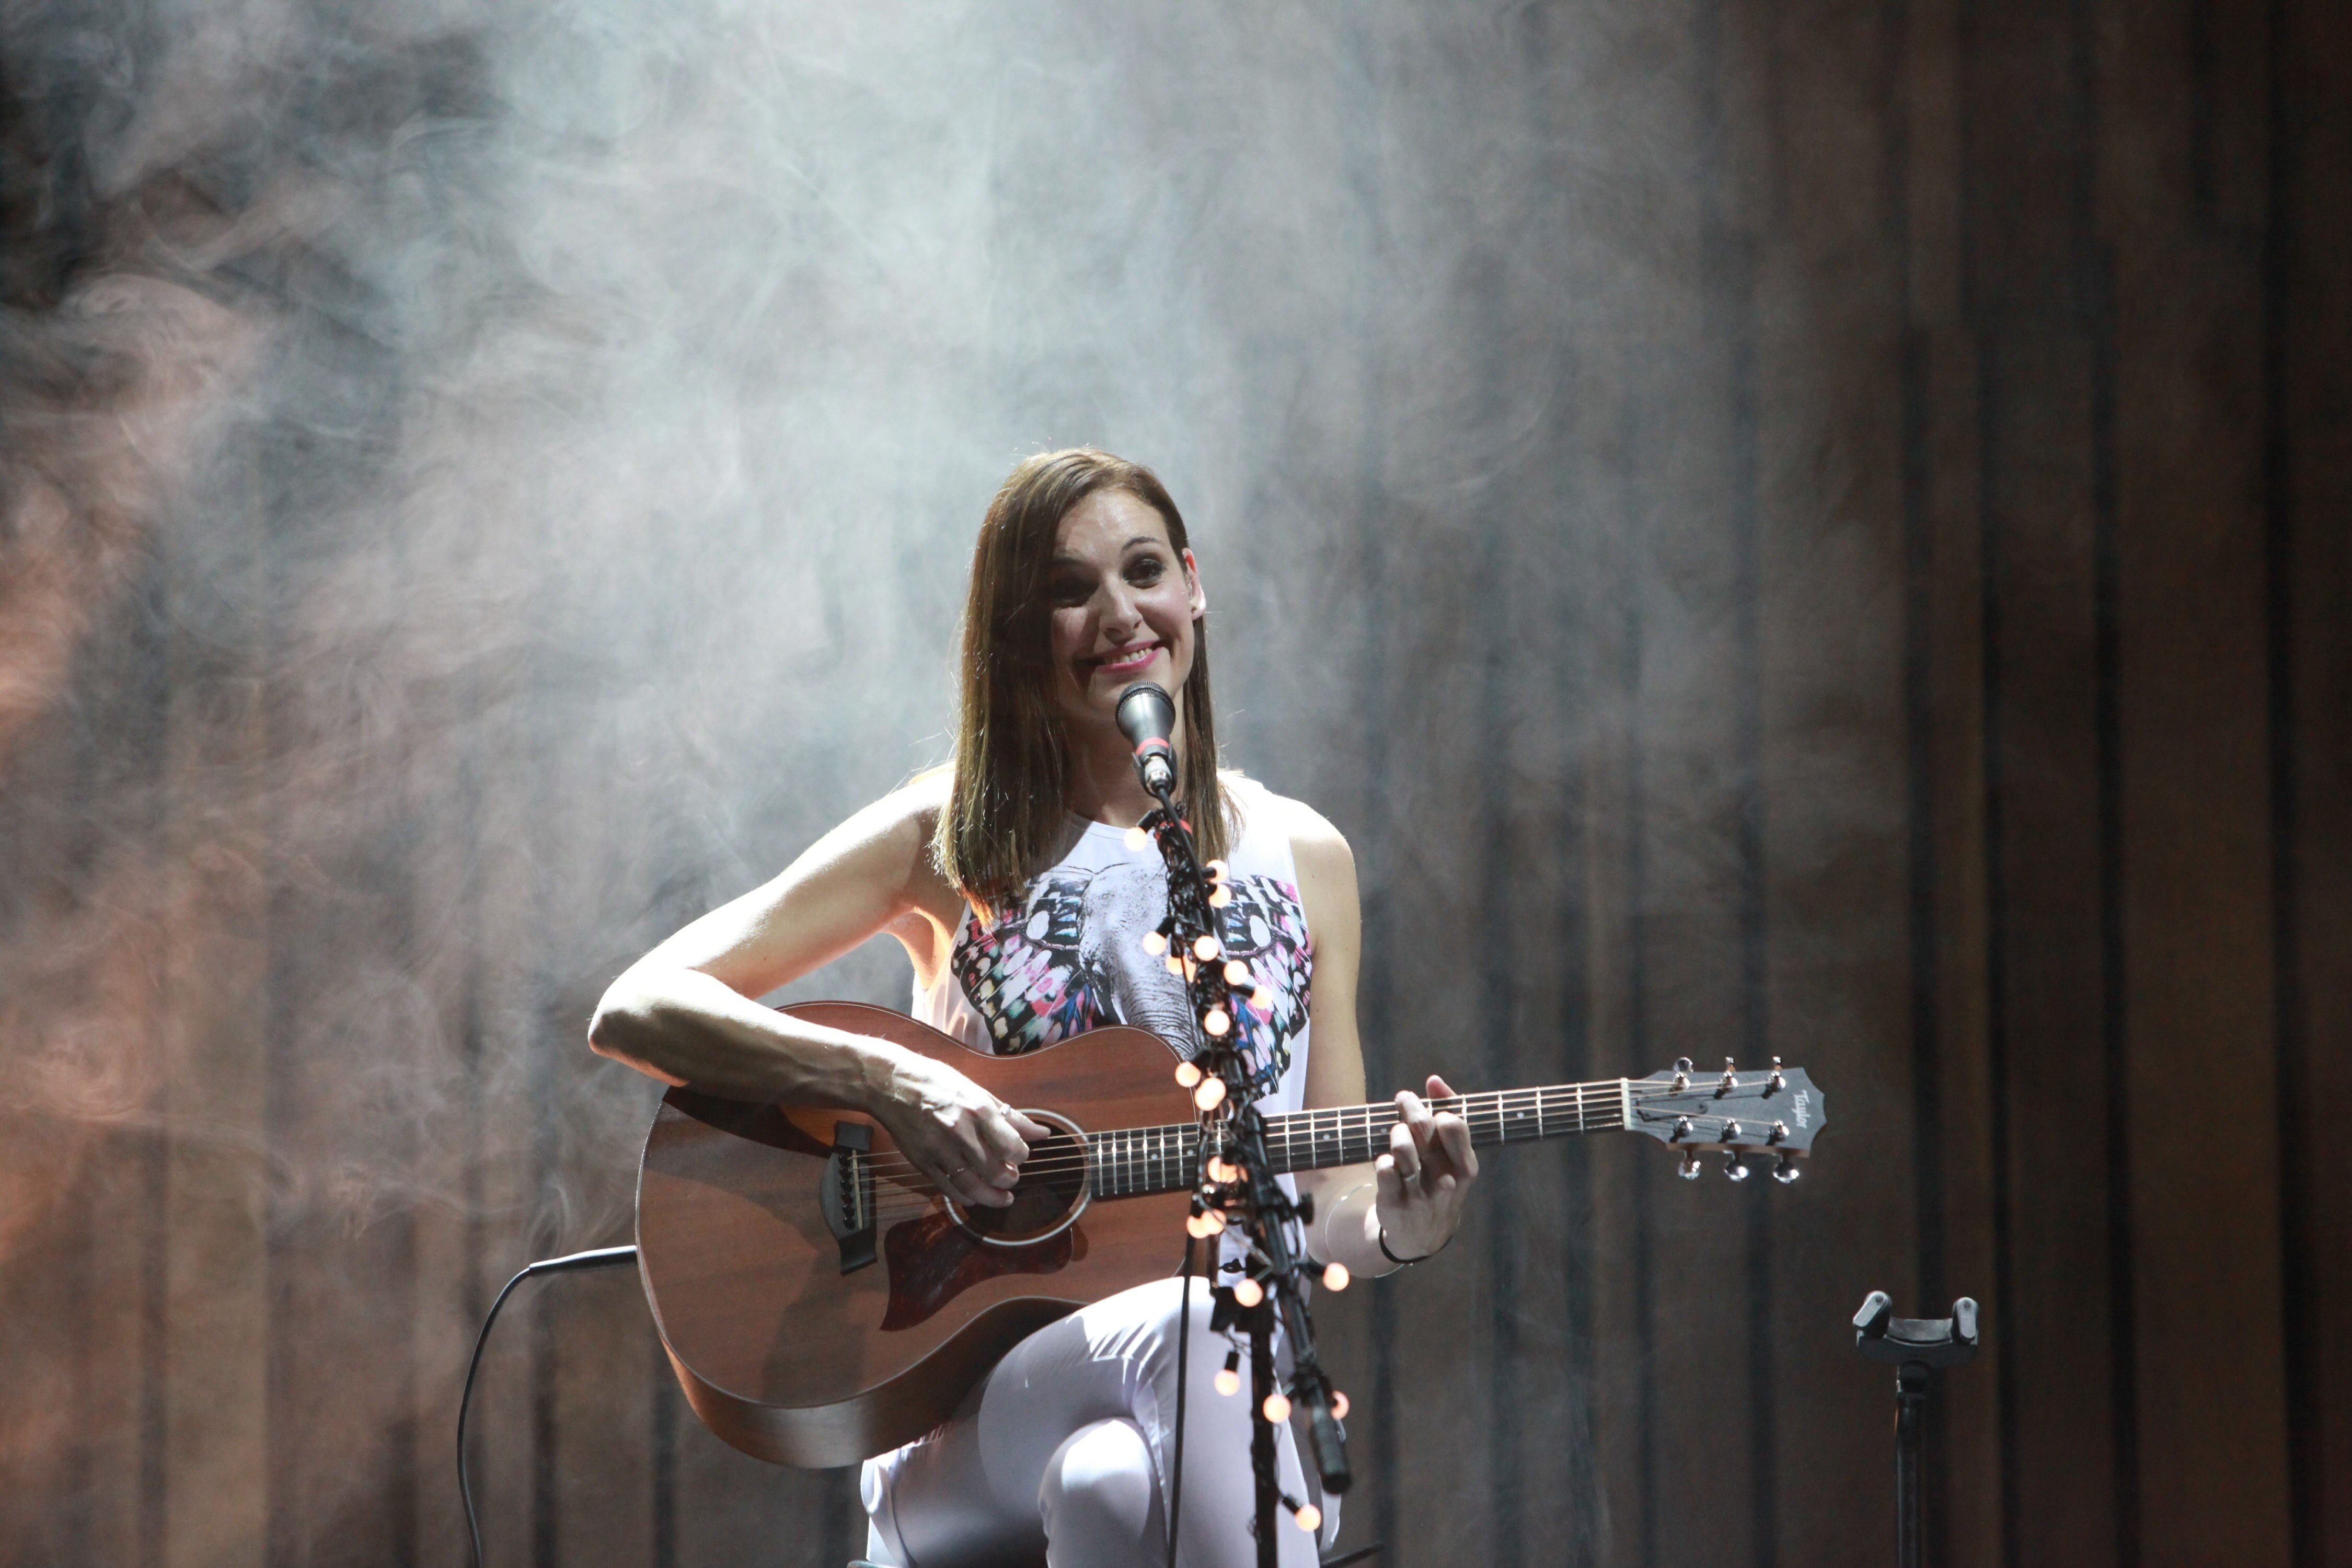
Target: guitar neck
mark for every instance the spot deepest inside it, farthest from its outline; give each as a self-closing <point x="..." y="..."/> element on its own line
<point x="1358" y="1134"/>
<point x="1140" y="1160"/>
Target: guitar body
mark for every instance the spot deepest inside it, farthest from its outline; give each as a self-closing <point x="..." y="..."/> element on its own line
<point x="794" y="1357"/>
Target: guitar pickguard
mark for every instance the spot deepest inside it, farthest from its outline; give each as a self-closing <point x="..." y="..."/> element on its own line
<point x="932" y="1260"/>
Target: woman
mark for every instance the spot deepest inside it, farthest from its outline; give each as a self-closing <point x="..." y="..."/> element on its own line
<point x="1009" y="881"/>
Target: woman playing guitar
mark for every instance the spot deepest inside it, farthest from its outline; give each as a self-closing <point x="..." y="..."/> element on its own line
<point x="1009" y="881"/>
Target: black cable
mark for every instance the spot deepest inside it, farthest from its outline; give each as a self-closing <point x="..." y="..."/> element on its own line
<point x="1184" y="1348"/>
<point x="600" y="1258"/>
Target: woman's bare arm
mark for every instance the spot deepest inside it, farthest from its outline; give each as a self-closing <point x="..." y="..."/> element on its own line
<point x="1415" y="1190"/>
<point x="685" y="1013"/>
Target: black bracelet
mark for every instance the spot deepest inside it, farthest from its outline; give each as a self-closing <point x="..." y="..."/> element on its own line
<point x="1409" y="1262"/>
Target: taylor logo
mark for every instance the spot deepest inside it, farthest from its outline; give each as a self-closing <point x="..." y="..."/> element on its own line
<point x="1804" y="1109"/>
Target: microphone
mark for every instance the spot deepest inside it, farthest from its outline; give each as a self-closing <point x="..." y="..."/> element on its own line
<point x="1146" y="718"/>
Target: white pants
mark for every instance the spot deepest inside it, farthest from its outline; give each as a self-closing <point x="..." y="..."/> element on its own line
<point x="1068" y="1449"/>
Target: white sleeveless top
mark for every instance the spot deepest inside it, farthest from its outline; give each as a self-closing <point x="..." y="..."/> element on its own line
<point x="1070" y="956"/>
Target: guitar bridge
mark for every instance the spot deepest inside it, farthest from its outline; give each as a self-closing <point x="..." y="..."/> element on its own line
<point x="846" y="1194"/>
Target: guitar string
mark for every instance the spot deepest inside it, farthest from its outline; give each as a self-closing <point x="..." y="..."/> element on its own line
<point x="1144" y="1155"/>
<point x="1517" y="1103"/>
<point x="909" y="1199"/>
<point x="1481" y="1121"/>
<point x="1122" y="1167"/>
<point x="915" y="1198"/>
<point x="1485" y="1120"/>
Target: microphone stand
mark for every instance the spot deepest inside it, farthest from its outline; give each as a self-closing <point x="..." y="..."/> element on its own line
<point x="1235" y="1184"/>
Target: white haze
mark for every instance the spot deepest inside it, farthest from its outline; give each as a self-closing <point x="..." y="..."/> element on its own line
<point x="492" y="481"/>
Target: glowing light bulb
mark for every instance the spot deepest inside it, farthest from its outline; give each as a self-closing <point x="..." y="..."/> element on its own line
<point x="1205" y="949"/>
<point x="1215" y="1022"/>
<point x="1175" y="966"/>
<point x="1154" y="943"/>
<point x="1187" y="1073"/>
<point x="1211" y="1094"/>
<point x="1138" y="839"/>
<point x="1218" y="1171"/>
<point x="1229" y="1382"/>
<point x="1236" y="973"/>
<point x="1217" y="871"/>
<point x="1249" y="1292"/>
<point x="1216" y="1218"/>
<point x="1198" y="1228"/>
<point x="1309" y="1518"/>
<point x="1263" y="998"/>
<point x="1277" y="1409"/>
<point x="1335" y="1277"/>
<point x="1221" y="897"/>
<point x="1338" y="1405"/>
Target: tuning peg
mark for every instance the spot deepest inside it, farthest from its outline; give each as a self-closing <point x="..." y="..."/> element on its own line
<point x="1732" y="1133"/>
<point x="1732" y="1168"/>
<point x="1681" y="1128"/>
<point x="1728" y="1083"/>
<point x="1776" y="1083"/>
<point x="1688" y="1169"/>
<point x="1788" y="1170"/>
<point x="1779" y="1132"/>
<point x="1682" y="1074"/>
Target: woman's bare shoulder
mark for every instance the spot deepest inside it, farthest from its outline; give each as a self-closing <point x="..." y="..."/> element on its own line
<point x="905" y="821"/>
<point x="915" y="806"/>
<point x="1315" y="844"/>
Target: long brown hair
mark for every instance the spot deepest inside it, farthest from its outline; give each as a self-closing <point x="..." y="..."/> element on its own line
<point x="1004" y="812"/>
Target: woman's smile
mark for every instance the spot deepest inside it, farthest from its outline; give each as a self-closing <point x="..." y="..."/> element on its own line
<point x="1126" y="661"/>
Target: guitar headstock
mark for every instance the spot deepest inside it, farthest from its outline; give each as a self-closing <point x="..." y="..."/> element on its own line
<point x="1776" y="1111"/>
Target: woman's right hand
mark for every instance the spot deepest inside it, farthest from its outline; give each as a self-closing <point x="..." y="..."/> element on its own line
<point x="969" y="1143"/>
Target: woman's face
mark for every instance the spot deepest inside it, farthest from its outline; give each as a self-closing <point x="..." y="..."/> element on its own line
<point x="1124" y="603"/>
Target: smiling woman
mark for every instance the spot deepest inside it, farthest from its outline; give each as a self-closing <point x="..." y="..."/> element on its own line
<point x="1100" y="540"/>
<point x="1010" y="881"/>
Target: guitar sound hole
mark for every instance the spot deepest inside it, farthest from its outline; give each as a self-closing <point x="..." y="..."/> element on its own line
<point x="1053" y="1189"/>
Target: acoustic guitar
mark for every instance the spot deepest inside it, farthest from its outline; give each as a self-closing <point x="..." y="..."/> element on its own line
<point x="821" y="1301"/>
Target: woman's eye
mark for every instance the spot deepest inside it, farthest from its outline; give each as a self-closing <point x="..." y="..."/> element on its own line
<point x="1066" y="590"/>
<point x="1146" y="571"/>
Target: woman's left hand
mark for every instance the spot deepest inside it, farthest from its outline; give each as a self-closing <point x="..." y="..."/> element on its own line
<point x="1423" y="1177"/>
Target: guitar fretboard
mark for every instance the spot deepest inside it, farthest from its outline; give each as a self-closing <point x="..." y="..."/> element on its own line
<point x="1134" y="1160"/>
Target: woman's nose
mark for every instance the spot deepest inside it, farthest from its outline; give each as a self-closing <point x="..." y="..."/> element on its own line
<point x="1118" y="611"/>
